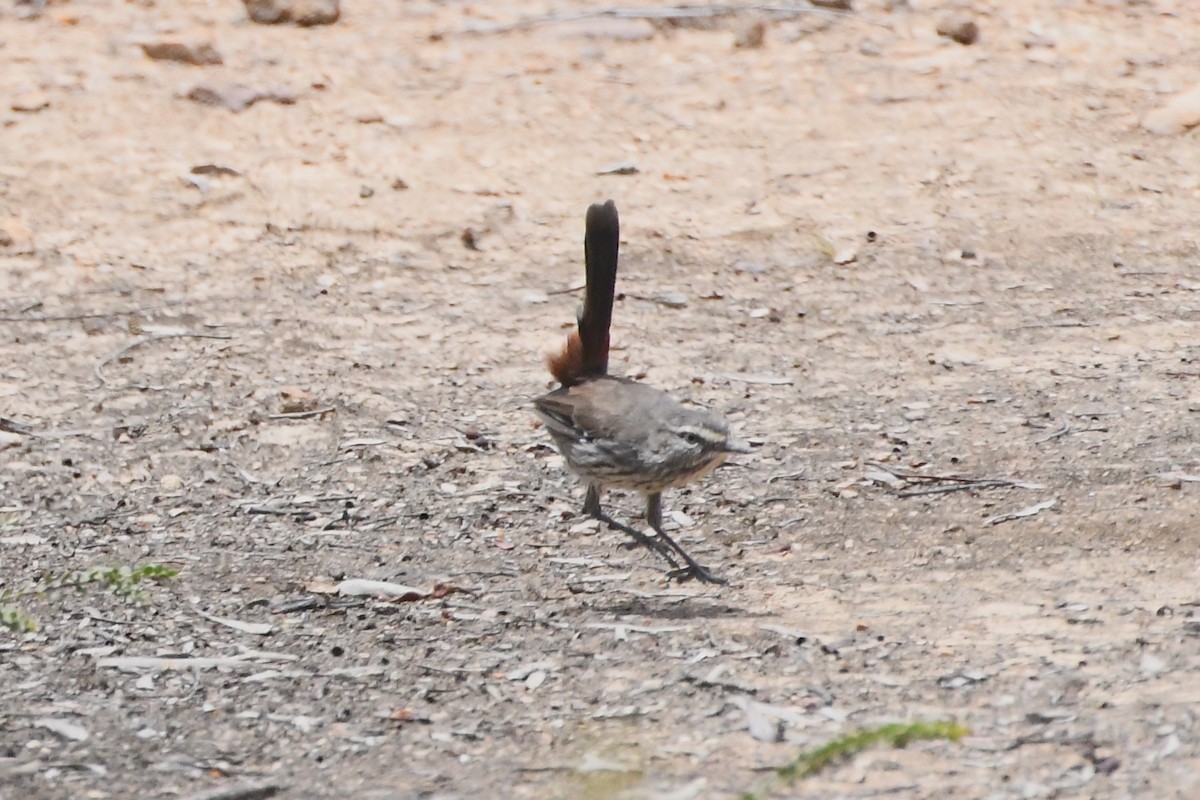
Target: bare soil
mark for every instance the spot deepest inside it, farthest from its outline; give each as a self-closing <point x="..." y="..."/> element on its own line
<point x="284" y="346"/>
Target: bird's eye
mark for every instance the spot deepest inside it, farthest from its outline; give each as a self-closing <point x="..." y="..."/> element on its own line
<point x="691" y="437"/>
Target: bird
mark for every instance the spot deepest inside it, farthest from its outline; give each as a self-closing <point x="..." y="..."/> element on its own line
<point x="616" y="433"/>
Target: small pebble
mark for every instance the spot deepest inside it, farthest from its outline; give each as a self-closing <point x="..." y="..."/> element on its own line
<point x="197" y="55"/>
<point x="751" y="36"/>
<point x="1177" y="115"/>
<point x="958" y="27"/>
<point x="671" y="300"/>
<point x="29" y="102"/>
<point x="300" y="12"/>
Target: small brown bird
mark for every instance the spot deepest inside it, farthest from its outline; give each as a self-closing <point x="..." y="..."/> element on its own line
<point x="617" y="433"/>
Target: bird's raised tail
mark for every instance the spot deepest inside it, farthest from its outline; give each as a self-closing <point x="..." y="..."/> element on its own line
<point x="586" y="351"/>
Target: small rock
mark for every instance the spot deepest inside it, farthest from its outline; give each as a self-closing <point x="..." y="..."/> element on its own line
<point x="294" y="400"/>
<point x="15" y="238"/>
<point x="368" y="116"/>
<point x="218" y="170"/>
<point x="763" y="721"/>
<point x="749" y="267"/>
<point x="671" y="300"/>
<point x="30" y="9"/>
<point x="197" y="55"/>
<point x="958" y="27"/>
<point x="237" y="97"/>
<point x="682" y="520"/>
<point x="846" y="254"/>
<point x="751" y="36"/>
<point x="591" y="762"/>
<point x="616" y="30"/>
<point x="1152" y="665"/>
<point x="305" y="724"/>
<point x="30" y="102"/>
<point x="67" y="730"/>
<point x="1179" y="114"/>
<point x="304" y="13"/>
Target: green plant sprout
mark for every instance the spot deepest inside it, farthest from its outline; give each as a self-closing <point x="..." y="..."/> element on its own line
<point x="122" y="581"/>
<point x="898" y="734"/>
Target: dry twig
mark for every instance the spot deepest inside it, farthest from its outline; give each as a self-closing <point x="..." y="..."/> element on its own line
<point x="316" y="412"/>
<point x="1024" y="512"/>
<point x="949" y="483"/>
<point x="259" y="791"/>
<point x="99" y="368"/>
<point x="120" y="312"/>
<point x="773" y="10"/>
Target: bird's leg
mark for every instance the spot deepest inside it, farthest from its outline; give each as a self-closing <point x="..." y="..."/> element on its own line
<point x="693" y="569"/>
<point x="591" y="502"/>
<point x="591" y="507"/>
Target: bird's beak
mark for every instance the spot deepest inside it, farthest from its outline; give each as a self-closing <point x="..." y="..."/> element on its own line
<point x="733" y="445"/>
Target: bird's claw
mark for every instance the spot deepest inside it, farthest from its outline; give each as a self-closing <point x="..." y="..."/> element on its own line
<point x="700" y="573"/>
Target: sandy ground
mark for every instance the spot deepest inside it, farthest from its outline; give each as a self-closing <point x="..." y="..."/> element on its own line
<point x="284" y="346"/>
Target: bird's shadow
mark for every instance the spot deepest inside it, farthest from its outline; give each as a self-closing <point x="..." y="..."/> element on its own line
<point x="699" y="607"/>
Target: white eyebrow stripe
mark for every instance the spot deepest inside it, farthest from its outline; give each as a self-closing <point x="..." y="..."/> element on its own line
<point x="707" y="434"/>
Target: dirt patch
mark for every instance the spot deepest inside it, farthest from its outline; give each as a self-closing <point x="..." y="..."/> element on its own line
<point x="284" y="343"/>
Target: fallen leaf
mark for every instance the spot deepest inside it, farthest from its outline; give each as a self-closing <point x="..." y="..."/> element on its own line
<point x="355" y="587"/>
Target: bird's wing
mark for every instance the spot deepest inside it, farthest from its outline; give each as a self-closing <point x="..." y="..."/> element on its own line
<point x="607" y="408"/>
<point x="557" y="411"/>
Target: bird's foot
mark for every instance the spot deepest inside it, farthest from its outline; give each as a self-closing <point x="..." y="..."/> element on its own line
<point x="639" y="539"/>
<point x="695" y="571"/>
